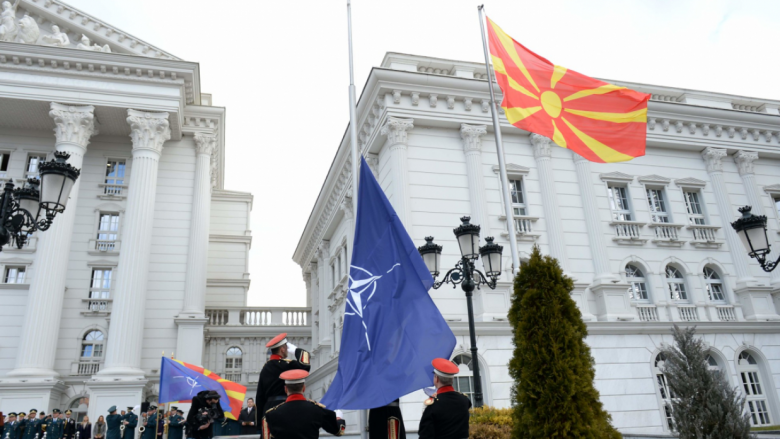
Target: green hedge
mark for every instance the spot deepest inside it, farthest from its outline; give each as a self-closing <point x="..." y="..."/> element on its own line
<point x="490" y="423"/>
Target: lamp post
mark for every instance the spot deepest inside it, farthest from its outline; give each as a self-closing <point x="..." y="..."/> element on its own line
<point x="468" y="277"/>
<point x="751" y="229"/>
<point x="33" y="207"/>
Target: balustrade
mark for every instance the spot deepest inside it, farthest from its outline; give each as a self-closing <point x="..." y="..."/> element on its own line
<point x="628" y="232"/>
<point x="688" y="313"/>
<point x="86" y="368"/>
<point x="703" y="233"/>
<point x="647" y="313"/>
<point x="666" y="231"/>
<point x="250" y="316"/>
<point x="113" y="190"/>
<point x="726" y="313"/>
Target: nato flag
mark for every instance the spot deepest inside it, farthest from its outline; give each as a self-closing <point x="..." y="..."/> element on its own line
<point x="392" y="328"/>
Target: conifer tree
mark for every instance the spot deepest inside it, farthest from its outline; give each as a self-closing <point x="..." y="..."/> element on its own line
<point x="704" y="405"/>
<point x="553" y="393"/>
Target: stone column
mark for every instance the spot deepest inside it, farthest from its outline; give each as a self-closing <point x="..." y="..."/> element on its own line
<point x="123" y="354"/>
<point x="396" y="131"/>
<point x="349" y="218"/>
<point x="323" y="254"/>
<point x="472" y="148"/>
<point x="315" y="304"/>
<point x="74" y="125"/>
<point x="552" y="217"/>
<point x="612" y="301"/>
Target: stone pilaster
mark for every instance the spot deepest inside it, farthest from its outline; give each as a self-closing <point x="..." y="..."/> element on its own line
<point x="552" y="218"/>
<point x="74" y="126"/>
<point x="396" y="131"/>
<point x="472" y="148"/>
<point x="325" y="281"/>
<point x="148" y="132"/>
<point x="349" y="219"/>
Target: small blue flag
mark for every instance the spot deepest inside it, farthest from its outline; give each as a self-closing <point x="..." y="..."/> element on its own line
<point x="180" y="383"/>
<point x="392" y="328"/>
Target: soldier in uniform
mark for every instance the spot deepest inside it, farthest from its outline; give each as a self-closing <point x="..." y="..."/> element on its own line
<point x="386" y="422"/>
<point x="21" y="418"/>
<point x="176" y="424"/>
<point x="43" y="422"/>
<point x="113" y="421"/>
<point x="69" y="427"/>
<point x="151" y="423"/>
<point x="270" y="389"/>
<point x="446" y="414"/>
<point x="11" y="430"/>
<point x="54" y="431"/>
<point x="32" y="425"/>
<point x="130" y="421"/>
<point x="160" y="423"/>
<point x="297" y="417"/>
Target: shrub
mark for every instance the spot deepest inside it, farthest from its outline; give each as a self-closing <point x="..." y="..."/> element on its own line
<point x="490" y="423"/>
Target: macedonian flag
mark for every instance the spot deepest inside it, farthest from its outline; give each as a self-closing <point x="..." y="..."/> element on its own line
<point x="601" y="122"/>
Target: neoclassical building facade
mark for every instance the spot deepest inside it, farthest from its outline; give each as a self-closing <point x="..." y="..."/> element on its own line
<point x="648" y="242"/>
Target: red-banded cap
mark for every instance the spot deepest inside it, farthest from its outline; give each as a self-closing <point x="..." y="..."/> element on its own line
<point x="295" y="376"/>
<point x="444" y="368"/>
<point x="277" y="341"/>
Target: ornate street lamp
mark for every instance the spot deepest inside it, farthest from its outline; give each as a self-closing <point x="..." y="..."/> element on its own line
<point x="468" y="277"/>
<point x="751" y="229"/>
<point x="21" y="209"/>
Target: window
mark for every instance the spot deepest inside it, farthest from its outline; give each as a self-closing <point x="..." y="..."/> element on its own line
<point x="776" y="199"/>
<point x="756" y="401"/>
<point x="695" y="209"/>
<point x="714" y="285"/>
<point x="33" y="162"/>
<point x="618" y="202"/>
<point x="4" y="159"/>
<point x="233" y="363"/>
<point x="712" y="364"/>
<point x="15" y="275"/>
<point x="518" y="197"/>
<point x="108" y="229"/>
<point x="664" y="391"/>
<point x="657" y="201"/>
<point x="79" y="407"/>
<point x="115" y="177"/>
<point x="333" y="275"/>
<point x="92" y="345"/>
<point x="100" y="286"/>
<point x="676" y="283"/>
<point x="464" y="380"/>
<point x="638" y="288"/>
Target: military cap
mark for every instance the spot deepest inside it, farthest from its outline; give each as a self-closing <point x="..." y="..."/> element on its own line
<point x="180" y="411"/>
<point x="22" y="414"/>
<point x="444" y="368"/>
<point x="33" y="411"/>
<point x="174" y="408"/>
<point x="12" y="414"/>
<point x="278" y="341"/>
<point x="56" y="411"/>
<point x="295" y="376"/>
<point x="68" y="412"/>
<point x="130" y="408"/>
<point x="112" y="409"/>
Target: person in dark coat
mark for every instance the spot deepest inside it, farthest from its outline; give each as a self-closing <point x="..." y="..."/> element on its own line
<point x="130" y="421"/>
<point x="150" y="424"/>
<point x="113" y="421"/>
<point x="297" y="417"/>
<point x="247" y="418"/>
<point x="199" y="423"/>
<point x="446" y="414"/>
<point x="84" y="429"/>
<point x="69" y="427"/>
<point x="270" y="389"/>
<point x="386" y="422"/>
<point x="54" y="431"/>
<point x="31" y="425"/>
<point x="11" y="428"/>
<point x="176" y="425"/>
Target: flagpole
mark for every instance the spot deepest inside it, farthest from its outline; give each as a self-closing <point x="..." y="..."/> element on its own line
<point x="353" y="142"/>
<point x="500" y="149"/>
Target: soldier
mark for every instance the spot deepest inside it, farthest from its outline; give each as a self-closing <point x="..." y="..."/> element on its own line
<point x="175" y="423"/>
<point x="130" y="421"/>
<point x="297" y="417"/>
<point x="446" y="414"/>
<point x="21" y="418"/>
<point x="270" y="389"/>
<point x="386" y="422"/>
<point x="32" y="426"/>
<point x="150" y="424"/>
<point x="54" y="431"/>
<point x="11" y="430"/>
<point x="69" y="427"/>
<point x="160" y="423"/>
<point x="113" y="421"/>
<point x="43" y="422"/>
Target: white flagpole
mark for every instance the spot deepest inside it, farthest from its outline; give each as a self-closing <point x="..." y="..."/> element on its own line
<point x="500" y="149"/>
<point x="353" y="141"/>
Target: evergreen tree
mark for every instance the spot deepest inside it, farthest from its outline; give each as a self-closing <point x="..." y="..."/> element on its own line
<point x="553" y="394"/>
<point x="704" y="405"/>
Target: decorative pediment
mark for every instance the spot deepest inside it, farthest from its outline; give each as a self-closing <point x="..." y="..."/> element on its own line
<point x="56" y="24"/>
<point x="654" y="179"/>
<point x="514" y="169"/>
<point x="772" y="189"/>
<point x="690" y="182"/>
<point x="616" y="176"/>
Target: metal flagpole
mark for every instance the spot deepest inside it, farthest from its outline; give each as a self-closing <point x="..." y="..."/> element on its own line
<point x="353" y="142"/>
<point x="500" y="149"/>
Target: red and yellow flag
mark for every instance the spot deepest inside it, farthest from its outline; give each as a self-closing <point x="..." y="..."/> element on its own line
<point x="601" y="122"/>
<point x="235" y="392"/>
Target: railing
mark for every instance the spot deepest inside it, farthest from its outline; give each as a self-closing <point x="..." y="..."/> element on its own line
<point x="524" y="224"/>
<point x="666" y="231"/>
<point x="703" y="233"/>
<point x="88" y="368"/>
<point x="104" y="245"/>
<point x="97" y="305"/>
<point x="628" y="231"/>
<point x="688" y="313"/>
<point x="257" y="316"/>
<point x="235" y="377"/>
<point x="113" y="190"/>
<point x="726" y="313"/>
<point x="647" y="313"/>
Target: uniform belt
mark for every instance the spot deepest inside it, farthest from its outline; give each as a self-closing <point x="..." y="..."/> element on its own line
<point x="278" y="398"/>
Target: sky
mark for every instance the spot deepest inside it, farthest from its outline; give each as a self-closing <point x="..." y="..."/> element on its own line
<point x="282" y="71"/>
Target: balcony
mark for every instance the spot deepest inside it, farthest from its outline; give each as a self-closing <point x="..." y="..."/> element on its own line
<point x="688" y="313"/>
<point x="96" y="307"/>
<point x="112" y="191"/>
<point x="104" y="247"/>
<point x="628" y="232"/>
<point x="524" y="226"/>
<point x="666" y="234"/>
<point x="726" y="313"/>
<point x="704" y="236"/>
<point x="647" y="313"/>
<point x="259" y="316"/>
<point x="85" y="367"/>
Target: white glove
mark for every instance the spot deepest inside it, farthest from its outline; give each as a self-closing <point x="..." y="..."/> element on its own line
<point x="339" y="414"/>
<point x="291" y="351"/>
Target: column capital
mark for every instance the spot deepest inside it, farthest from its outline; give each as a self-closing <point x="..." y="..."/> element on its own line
<point x="323" y="251"/>
<point x="373" y="163"/>
<point x="713" y="157"/>
<point x="745" y="161"/>
<point x="542" y="146"/>
<point x="396" y="128"/>
<point x="472" y="137"/>
<point x="73" y="125"/>
<point x="148" y="130"/>
<point x="205" y="143"/>
<point x="346" y="207"/>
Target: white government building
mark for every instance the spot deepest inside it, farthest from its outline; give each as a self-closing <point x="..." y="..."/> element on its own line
<point x="648" y="242"/>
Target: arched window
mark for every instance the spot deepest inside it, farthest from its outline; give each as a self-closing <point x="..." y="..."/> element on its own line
<point x="233" y="364"/>
<point x="664" y="391"/>
<point x="79" y="407"/>
<point x="92" y="344"/>
<point x="712" y="364"/>
<point x="715" y="290"/>
<point x="464" y="380"/>
<point x="675" y="283"/>
<point x="750" y="377"/>
<point x="638" y="288"/>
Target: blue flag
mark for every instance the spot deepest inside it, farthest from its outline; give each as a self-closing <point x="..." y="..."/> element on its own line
<point x="392" y="328"/>
<point x="180" y="383"/>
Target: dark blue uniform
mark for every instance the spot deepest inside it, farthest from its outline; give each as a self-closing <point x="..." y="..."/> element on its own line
<point x="176" y="427"/>
<point x="55" y="429"/>
<point x="151" y="427"/>
<point x="31" y="428"/>
<point x="113" y="421"/>
<point x="69" y="428"/>
<point x="299" y="418"/>
<point x="446" y="416"/>
<point x="11" y="430"/>
<point x="132" y="422"/>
